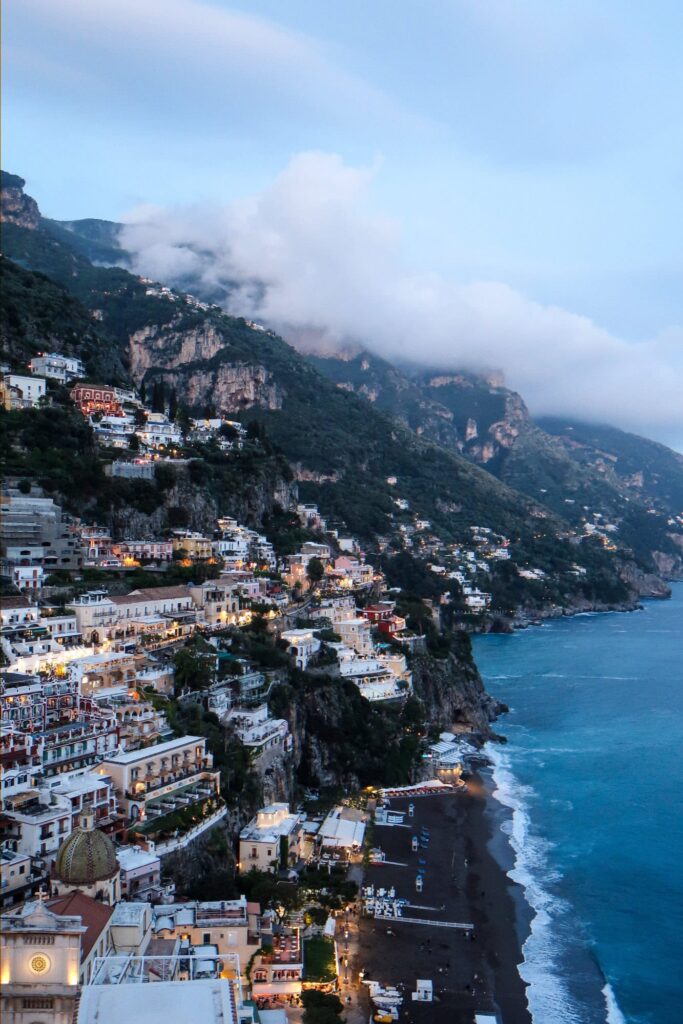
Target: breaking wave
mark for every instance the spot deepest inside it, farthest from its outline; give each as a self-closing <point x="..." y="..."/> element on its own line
<point x="544" y="965"/>
<point x="614" y="1014"/>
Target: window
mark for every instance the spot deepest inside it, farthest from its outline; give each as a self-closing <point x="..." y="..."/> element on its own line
<point x="207" y="938"/>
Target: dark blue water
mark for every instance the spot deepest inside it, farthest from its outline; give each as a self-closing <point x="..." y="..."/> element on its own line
<point x="593" y="773"/>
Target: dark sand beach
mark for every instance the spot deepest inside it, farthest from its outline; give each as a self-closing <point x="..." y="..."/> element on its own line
<point x="464" y="882"/>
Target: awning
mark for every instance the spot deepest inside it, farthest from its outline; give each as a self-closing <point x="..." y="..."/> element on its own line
<point x="260" y="989"/>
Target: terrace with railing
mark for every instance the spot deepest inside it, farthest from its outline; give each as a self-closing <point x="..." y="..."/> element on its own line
<point x="126" y="969"/>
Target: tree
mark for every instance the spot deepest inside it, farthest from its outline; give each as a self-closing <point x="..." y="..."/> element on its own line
<point x="183" y="418"/>
<point x="158" y="396"/>
<point x="255" y="430"/>
<point x="172" y="404"/>
<point x="227" y="431"/>
<point x="193" y="668"/>
<point x="320" y="1008"/>
<point x="315" y="571"/>
<point x="134" y="443"/>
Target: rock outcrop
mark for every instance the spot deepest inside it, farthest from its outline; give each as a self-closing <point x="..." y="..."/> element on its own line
<point x="453" y="693"/>
<point x="15" y="206"/>
<point x="195" y="360"/>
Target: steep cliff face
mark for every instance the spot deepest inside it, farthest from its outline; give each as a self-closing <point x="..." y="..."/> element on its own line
<point x="248" y="488"/>
<point x="171" y="345"/>
<point x="488" y="441"/>
<point x="199" y="506"/>
<point x="229" y="387"/>
<point x="195" y="361"/>
<point x="15" y="206"/>
<point x="341" y="740"/>
<point x="453" y="694"/>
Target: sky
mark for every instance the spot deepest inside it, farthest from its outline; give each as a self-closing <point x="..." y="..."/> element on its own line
<point x="480" y="183"/>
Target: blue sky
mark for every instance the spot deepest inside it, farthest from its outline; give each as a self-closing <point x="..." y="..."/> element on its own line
<point x="531" y="143"/>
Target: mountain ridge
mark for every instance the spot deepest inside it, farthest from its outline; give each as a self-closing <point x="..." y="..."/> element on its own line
<point x="342" y="448"/>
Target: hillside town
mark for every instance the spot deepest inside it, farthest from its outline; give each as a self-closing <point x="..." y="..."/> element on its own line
<point x="116" y="641"/>
<point x="100" y="784"/>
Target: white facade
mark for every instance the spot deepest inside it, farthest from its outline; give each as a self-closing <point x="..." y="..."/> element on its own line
<point x="57" y="367"/>
<point x="28" y="578"/>
<point x="257" y="730"/>
<point x="263" y="840"/>
<point x="148" y="781"/>
<point x="158" y="430"/>
<point x="303" y="644"/>
<point x="26" y="391"/>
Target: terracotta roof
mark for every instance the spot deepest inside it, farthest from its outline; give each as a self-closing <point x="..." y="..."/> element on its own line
<point x="94" y="915"/>
<point x="153" y="594"/>
<point x="15" y="601"/>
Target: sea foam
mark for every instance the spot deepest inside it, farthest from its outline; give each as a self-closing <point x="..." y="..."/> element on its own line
<point x="549" y="999"/>
<point x="614" y="1014"/>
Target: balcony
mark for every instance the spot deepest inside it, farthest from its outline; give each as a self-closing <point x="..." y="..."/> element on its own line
<point x="158" y="781"/>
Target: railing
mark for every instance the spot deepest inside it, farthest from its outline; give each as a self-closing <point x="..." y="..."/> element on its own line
<point x="126" y="968"/>
<point x="167" y="780"/>
<point x="181" y="841"/>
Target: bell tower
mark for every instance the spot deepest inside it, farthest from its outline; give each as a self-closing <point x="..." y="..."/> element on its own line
<point x="40" y="955"/>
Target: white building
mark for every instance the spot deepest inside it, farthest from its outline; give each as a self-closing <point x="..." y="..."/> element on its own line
<point x="158" y="430"/>
<point x="302" y="644"/>
<point x="19" y="392"/>
<point x="114" y="431"/>
<point x="28" y="578"/>
<point x="57" y="367"/>
<point x="258" y="731"/>
<point x="344" y="828"/>
<point x="475" y="599"/>
<point x="140" y="871"/>
<point x="273" y="839"/>
<point x="154" y="781"/>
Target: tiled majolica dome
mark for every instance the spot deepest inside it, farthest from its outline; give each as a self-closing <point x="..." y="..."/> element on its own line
<point x="85" y="857"/>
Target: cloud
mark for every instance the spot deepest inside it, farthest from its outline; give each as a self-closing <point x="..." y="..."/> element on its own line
<point x="191" y="64"/>
<point x="309" y="256"/>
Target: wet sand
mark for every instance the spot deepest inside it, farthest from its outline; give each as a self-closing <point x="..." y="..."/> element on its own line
<point x="464" y="882"/>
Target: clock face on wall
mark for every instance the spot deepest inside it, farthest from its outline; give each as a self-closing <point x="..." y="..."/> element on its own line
<point x="40" y="963"/>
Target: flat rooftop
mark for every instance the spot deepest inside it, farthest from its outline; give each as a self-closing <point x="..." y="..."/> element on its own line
<point x="131" y="756"/>
<point x="211" y="1001"/>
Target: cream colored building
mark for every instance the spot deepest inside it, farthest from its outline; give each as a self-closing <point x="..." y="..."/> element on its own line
<point x="40" y="965"/>
<point x="194" y="545"/>
<point x="231" y="925"/>
<point x="154" y="781"/>
<point x="271" y="840"/>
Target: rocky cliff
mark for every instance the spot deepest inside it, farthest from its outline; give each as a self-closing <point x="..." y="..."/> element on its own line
<point x="453" y="693"/>
<point x="195" y="360"/>
<point x="341" y="740"/>
<point x="248" y="487"/>
<point x="15" y="206"/>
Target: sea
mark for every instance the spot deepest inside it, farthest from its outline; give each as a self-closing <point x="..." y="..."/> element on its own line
<point x="592" y="776"/>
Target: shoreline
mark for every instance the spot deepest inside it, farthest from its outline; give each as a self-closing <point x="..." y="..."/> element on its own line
<point x="465" y="881"/>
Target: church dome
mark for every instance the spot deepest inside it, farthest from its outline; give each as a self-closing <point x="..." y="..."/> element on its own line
<point x="86" y="857"/>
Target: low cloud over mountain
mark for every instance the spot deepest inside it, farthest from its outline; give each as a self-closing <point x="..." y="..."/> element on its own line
<point x="308" y="256"/>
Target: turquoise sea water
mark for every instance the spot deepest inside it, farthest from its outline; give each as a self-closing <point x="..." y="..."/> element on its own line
<point x="593" y="775"/>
